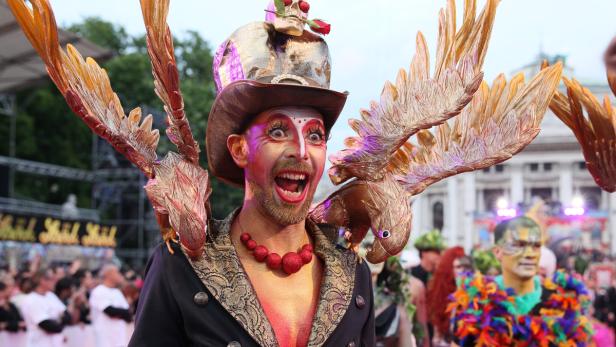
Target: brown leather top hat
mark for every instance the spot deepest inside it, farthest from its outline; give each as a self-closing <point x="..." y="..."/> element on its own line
<point x="259" y="68"/>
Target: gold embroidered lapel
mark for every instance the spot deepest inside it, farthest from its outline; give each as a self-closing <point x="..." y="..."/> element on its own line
<point x="336" y="287"/>
<point x="222" y="273"/>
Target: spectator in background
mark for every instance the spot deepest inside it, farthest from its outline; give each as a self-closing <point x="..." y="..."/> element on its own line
<point x="429" y="246"/>
<point x="547" y="263"/>
<point x="110" y="310"/>
<point x="12" y="325"/>
<point x="453" y="263"/>
<point x="84" y="282"/>
<point x="23" y="288"/>
<point x="44" y="313"/>
<point x="393" y="307"/>
<point x="82" y="334"/>
<point x="64" y="289"/>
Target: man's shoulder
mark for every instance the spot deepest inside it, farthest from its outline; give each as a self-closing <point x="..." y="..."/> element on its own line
<point x="165" y="259"/>
<point x="330" y="231"/>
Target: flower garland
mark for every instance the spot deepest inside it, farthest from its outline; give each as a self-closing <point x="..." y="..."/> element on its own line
<point x="483" y="314"/>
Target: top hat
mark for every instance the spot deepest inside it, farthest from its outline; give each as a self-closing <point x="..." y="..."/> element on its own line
<point x="259" y="68"/>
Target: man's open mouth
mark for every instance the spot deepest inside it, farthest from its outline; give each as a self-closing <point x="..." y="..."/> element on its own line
<point x="526" y="264"/>
<point x="291" y="186"/>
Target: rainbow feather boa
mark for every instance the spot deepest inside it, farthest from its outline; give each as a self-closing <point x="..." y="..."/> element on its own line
<point x="483" y="314"/>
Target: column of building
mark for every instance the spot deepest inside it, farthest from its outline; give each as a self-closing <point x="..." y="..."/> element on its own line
<point x="517" y="184"/>
<point x="470" y="198"/>
<point x="451" y="212"/>
<point x="565" y="184"/>
<point x="419" y="217"/>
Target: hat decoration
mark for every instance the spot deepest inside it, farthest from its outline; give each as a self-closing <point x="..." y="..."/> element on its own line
<point x="288" y="8"/>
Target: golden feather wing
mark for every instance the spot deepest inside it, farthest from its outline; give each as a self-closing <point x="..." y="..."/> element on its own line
<point x="86" y="88"/>
<point x="418" y="100"/>
<point x="499" y="122"/>
<point x="594" y="126"/>
<point x="166" y="77"/>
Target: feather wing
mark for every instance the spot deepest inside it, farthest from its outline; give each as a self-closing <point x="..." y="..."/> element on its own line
<point x="166" y="78"/>
<point x="180" y="191"/>
<point x="417" y="100"/>
<point x="595" y="131"/>
<point x="86" y="88"/>
<point x="499" y="122"/>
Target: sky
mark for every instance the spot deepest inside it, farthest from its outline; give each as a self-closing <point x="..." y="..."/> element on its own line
<point x="371" y="40"/>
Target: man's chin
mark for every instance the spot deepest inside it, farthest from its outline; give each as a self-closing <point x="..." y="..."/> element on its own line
<point x="526" y="274"/>
<point x="286" y="214"/>
<point x="282" y="212"/>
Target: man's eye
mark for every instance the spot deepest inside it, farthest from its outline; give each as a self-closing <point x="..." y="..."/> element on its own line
<point x="315" y="137"/>
<point x="519" y="244"/>
<point x="277" y="133"/>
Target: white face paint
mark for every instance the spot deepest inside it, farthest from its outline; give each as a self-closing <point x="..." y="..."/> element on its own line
<point x="299" y="123"/>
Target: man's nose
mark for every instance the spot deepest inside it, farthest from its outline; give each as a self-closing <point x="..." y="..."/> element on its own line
<point x="530" y="252"/>
<point x="299" y="149"/>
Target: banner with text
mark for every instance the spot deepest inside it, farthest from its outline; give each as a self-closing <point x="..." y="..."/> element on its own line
<point x="49" y="230"/>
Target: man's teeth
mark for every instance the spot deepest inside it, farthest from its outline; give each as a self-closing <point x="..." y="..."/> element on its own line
<point x="292" y="176"/>
<point x="292" y="194"/>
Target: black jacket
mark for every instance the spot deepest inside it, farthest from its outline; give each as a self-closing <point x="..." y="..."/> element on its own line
<point x="210" y="302"/>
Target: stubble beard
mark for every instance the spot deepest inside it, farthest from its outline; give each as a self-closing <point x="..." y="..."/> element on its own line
<point x="280" y="212"/>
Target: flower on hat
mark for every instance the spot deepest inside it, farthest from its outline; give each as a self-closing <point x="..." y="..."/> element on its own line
<point x="319" y="26"/>
<point x="316" y="25"/>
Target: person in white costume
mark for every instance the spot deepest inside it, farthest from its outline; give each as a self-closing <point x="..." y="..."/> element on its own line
<point x="110" y="310"/>
<point x="44" y="313"/>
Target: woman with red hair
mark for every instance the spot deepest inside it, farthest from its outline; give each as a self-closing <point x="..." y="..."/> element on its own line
<point x="453" y="262"/>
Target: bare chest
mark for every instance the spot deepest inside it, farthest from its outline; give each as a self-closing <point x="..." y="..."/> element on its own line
<point x="289" y="302"/>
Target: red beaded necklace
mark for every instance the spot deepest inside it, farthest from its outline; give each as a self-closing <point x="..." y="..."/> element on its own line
<point x="290" y="263"/>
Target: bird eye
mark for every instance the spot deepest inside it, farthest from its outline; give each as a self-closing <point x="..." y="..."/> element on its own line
<point x="385" y="234"/>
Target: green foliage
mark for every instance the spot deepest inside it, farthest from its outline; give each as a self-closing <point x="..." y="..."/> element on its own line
<point x="484" y="260"/>
<point x="432" y="240"/>
<point x="48" y="131"/>
<point x="279" y="4"/>
<point x="102" y="33"/>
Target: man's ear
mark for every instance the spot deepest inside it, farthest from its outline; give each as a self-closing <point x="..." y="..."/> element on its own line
<point x="236" y="144"/>
<point x="498" y="252"/>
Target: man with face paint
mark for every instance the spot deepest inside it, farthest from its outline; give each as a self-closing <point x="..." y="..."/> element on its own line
<point x="518" y="308"/>
<point x="269" y="275"/>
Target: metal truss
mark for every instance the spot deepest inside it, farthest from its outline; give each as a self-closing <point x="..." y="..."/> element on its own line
<point x="39" y="208"/>
<point x="51" y="170"/>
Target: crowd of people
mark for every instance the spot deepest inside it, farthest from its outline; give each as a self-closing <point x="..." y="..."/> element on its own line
<point x="68" y="306"/>
<point x="431" y="284"/>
